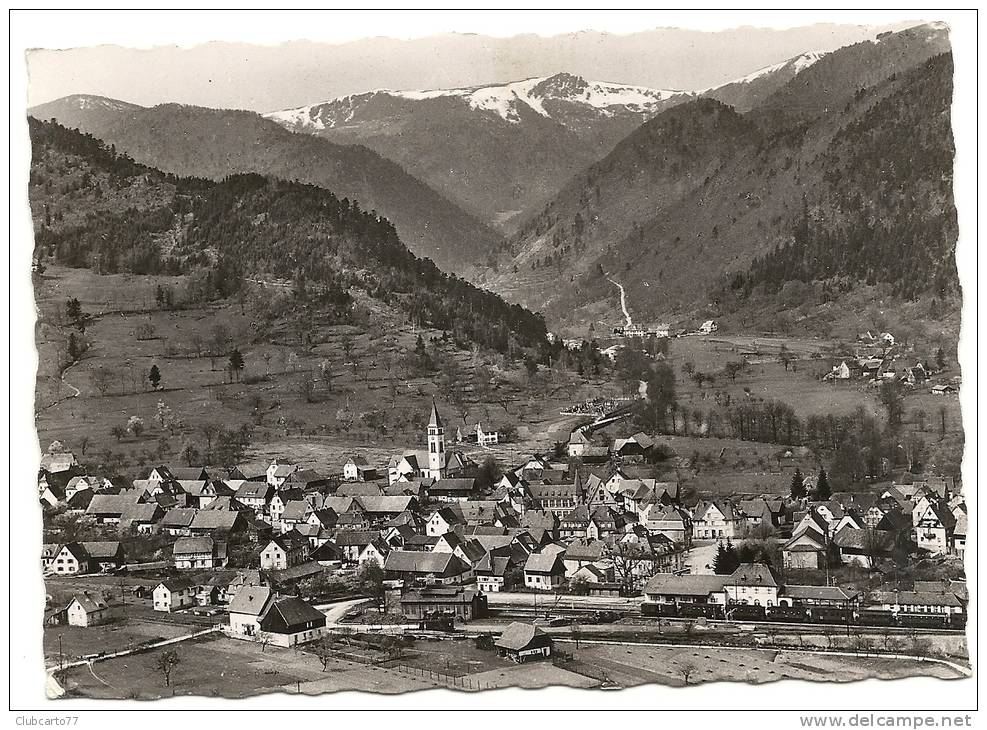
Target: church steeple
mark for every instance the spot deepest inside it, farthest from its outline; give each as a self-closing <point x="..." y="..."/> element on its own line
<point x="434" y="420"/>
<point x="436" y="444"/>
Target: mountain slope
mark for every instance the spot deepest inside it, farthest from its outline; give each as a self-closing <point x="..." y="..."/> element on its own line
<point x="750" y="91"/>
<point x="498" y="151"/>
<point x="675" y="216"/>
<point x="95" y="208"/>
<point x="209" y="143"/>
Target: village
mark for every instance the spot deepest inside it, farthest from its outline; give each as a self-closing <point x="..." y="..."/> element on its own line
<point x="386" y="567"/>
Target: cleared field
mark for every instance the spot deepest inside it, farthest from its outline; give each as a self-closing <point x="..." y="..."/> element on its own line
<point x="633" y="665"/>
<point x="75" y="641"/>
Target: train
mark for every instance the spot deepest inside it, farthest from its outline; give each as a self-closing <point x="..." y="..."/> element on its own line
<point x="806" y="615"/>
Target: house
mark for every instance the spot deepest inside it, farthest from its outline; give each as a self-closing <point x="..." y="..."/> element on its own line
<point x="284" y="551"/>
<point x="475" y="434"/>
<point x="278" y="473"/>
<point x="427" y="567"/>
<point x="668" y="588"/>
<point x="103" y="555"/>
<point x="353" y="542"/>
<point x="106" y="509"/>
<point x="49" y="551"/>
<point x="356" y="469"/>
<point x="458" y="603"/>
<point x="469" y="550"/>
<point x="752" y="584"/>
<point x="933" y="527"/>
<point x="199" y="552"/>
<point x="862" y="547"/>
<point x="443" y="520"/>
<point x="296" y="512"/>
<point x="715" y="520"/>
<point x="374" y="552"/>
<point x="173" y="594"/>
<point x="708" y="327"/>
<point x="292" y="621"/>
<point x="637" y="447"/>
<point x="178" y="521"/>
<point x="70" y="559"/>
<point x="582" y="552"/>
<point x="806" y="550"/>
<point x="246" y="609"/>
<point x="254" y="495"/>
<point x="58" y="461"/>
<point x="544" y="571"/>
<point x="578" y="442"/>
<point x="522" y="642"/>
<point x="452" y="490"/>
<point x="603" y="522"/>
<point x="639" y="554"/>
<point x="557" y="498"/>
<point x="944" y="389"/>
<point x="670" y="521"/>
<point x="216" y="522"/>
<point x="593" y="574"/>
<point x="88" y="609"/>
<point x="141" y="518"/>
<point x="839" y="372"/>
<point x="496" y="573"/>
<point x="575" y="522"/>
<point x="959" y="536"/>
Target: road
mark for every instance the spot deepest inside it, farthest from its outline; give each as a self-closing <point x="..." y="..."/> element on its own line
<point x="623" y="302"/>
<point x="335" y="611"/>
<point x="699" y="558"/>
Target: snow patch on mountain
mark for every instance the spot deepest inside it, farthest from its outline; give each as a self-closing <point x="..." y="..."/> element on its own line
<point x="798" y="64"/>
<point x="505" y="100"/>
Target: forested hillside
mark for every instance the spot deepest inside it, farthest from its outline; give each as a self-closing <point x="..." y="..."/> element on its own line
<point x="214" y="143"/>
<point x="96" y="208"/>
<point x="702" y="206"/>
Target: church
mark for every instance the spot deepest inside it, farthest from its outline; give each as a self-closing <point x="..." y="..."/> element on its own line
<point x="433" y="462"/>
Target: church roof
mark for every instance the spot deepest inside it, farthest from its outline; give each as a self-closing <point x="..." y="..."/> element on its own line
<point x="433" y="419"/>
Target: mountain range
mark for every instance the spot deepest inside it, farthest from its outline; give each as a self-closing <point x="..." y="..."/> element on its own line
<point x="550" y="190"/>
<point x="693" y="196"/>
<point x="96" y="208"/>
<point x="214" y="143"/>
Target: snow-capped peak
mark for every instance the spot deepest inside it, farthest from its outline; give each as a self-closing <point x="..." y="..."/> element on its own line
<point x="506" y="100"/>
<point x="799" y="63"/>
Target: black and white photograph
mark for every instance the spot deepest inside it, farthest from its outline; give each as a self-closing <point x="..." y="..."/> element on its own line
<point x="471" y="357"/>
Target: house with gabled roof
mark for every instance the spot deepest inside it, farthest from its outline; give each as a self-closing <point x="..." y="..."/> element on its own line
<point x="246" y="609"/>
<point x="190" y="553"/>
<point x="216" y="522"/>
<point x="715" y="520"/>
<point x="284" y="551"/>
<point x="933" y="527"/>
<point x="754" y="584"/>
<point x="806" y="550"/>
<point x="545" y="570"/>
<point x="863" y="547"/>
<point x="173" y="594"/>
<point x="278" y="473"/>
<point x="292" y="621"/>
<point x="88" y="609"/>
<point x="669" y="588"/>
<point x="106" y="509"/>
<point x="427" y="567"/>
<point x="178" y="521"/>
<point x="521" y="642"/>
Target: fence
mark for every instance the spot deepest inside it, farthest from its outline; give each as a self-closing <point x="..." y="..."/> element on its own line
<point x="449" y="680"/>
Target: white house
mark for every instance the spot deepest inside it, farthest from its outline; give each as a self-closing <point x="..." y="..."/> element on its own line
<point x="708" y="327"/>
<point x="752" y="584"/>
<point x="173" y="594"/>
<point x="88" y="609"/>
<point x="247" y="608"/>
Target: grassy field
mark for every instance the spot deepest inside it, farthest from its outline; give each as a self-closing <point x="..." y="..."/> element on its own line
<point x="633" y="665"/>
<point x="319" y="429"/>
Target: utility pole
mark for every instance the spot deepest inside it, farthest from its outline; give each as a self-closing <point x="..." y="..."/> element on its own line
<point x="61" y="656"/>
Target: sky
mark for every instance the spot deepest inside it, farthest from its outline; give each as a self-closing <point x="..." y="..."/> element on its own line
<point x="270" y="77"/>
